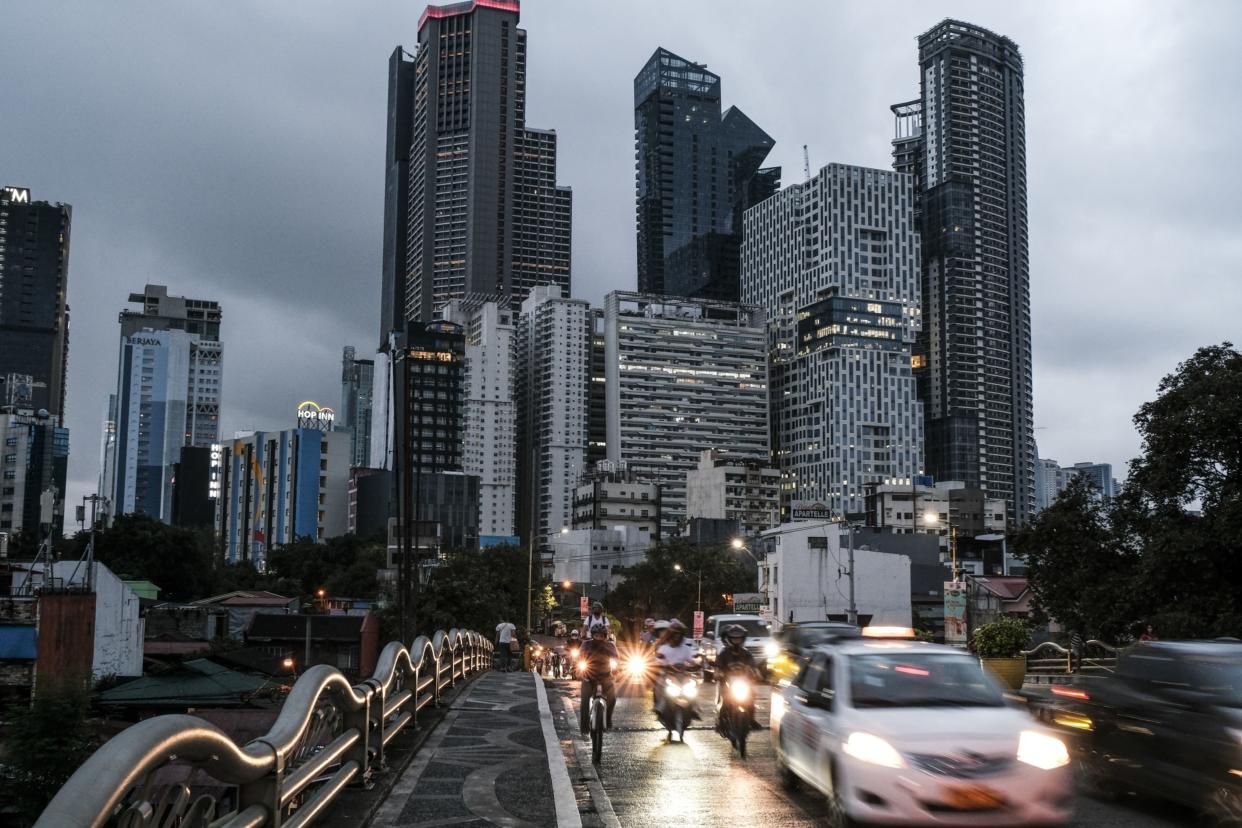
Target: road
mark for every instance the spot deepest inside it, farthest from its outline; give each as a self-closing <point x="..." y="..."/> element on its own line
<point x="643" y="780"/>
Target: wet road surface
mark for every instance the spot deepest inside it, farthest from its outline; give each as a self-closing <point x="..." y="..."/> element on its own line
<point x="644" y="780"/>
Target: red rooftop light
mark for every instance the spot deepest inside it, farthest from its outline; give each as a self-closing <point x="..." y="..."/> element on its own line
<point x="440" y="12"/>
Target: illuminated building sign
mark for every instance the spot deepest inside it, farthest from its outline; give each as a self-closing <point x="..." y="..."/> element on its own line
<point x="216" y="473"/>
<point x="17" y="195"/>
<point x="312" y="415"/>
<point x="434" y="356"/>
<point x="144" y="340"/>
<point x="810" y="510"/>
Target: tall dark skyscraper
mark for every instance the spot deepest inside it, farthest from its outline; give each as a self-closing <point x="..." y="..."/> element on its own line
<point x="697" y="172"/>
<point x="964" y="140"/>
<point x="34" y="319"/>
<point x="474" y="187"/>
<point x="357" y="384"/>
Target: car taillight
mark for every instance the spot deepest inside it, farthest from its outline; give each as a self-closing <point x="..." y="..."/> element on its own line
<point x="1070" y="693"/>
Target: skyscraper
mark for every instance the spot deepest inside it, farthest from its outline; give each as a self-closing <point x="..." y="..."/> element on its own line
<point x="34" y="276"/>
<point x="357" y="382"/>
<point x="483" y="211"/>
<point x="835" y="263"/>
<point x="697" y="172"/>
<point x="683" y="376"/>
<point x="554" y="369"/>
<point x="168" y="395"/>
<point x="964" y="140"/>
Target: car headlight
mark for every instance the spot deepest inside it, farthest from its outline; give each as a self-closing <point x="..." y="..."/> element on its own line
<point x="771" y="649"/>
<point x="869" y="748"/>
<point x="690" y="689"/>
<point x="1041" y="750"/>
<point x="778" y="709"/>
<point x="671" y="689"/>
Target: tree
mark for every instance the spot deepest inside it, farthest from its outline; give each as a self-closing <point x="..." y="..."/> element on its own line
<point x="654" y="588"/>
<point x="344" y="566"/>
<point x="46" y="743"/>
<point x="476" y="589"/>
<point x="178" y="561"/>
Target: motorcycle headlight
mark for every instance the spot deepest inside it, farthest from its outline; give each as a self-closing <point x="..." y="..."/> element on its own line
<point x="671" y="689"/>
<point x="740" y="690"/>
<point x="771" y="649"/>
<point x="582" y="665"/>
<point x="1041" y="750"/>
<point x="690" y="689"/>
<point x="612" y="664"/>
<point x="867" y="747"/>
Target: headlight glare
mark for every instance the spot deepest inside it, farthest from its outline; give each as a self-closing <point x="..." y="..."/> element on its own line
<point x="671" y="689"/>
<point x="869" y="748"/>
<point x="771" y="649"/>
<point x="1041" y="750"/>
<point x="690" y="689"/>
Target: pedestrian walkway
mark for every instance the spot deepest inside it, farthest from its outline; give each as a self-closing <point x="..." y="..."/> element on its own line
<point x="494" y="760"/>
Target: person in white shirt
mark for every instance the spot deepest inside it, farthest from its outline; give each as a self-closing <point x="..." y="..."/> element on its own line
<point x="504" y="643"/>
<point x="595" y="619"/>
<point x="674" y="654"/>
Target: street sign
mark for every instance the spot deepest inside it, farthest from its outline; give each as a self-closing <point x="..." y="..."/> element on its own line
<point x="698" y="623"/>
<point x="583" y="607"/>
<point x="955" y="613"/>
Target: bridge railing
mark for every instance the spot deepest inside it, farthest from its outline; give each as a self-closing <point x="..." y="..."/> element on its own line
<point x="1051" y="658"/>
<point x="328" y="734"/>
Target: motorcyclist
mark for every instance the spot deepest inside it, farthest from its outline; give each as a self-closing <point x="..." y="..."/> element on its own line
<point x="648" y="635"/>
<point x="734" y="658"/>
<point x="600" y="656"/>
<point x="595" y="619"/>
<point x="674" y="654"/>
<point x="572" y="645"/>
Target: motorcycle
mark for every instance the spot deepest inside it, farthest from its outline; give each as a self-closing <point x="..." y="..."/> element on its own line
<point x="571" y="655"/>
<point x="736" y="710"/>
<point x="677" y="702"/>
<point x="538" y="659"/>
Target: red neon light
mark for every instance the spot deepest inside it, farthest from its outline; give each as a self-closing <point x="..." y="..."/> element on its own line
<point x="441" y="12"/>
<point x="1070" y="693"/>
<point x="911" y="671"/>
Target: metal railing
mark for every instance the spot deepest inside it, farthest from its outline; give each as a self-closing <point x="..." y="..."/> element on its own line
<point x="327" y="735"/>
<point x="1051" y="658"/>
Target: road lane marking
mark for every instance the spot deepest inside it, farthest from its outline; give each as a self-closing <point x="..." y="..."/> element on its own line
<point x="599" y="797"/>
<point x="567" y="815"/>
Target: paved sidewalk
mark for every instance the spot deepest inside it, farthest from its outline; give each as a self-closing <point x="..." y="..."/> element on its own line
<point x="486" y="764"/>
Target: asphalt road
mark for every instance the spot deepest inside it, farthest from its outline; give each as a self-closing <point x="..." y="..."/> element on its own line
<point x="644" y="780"/>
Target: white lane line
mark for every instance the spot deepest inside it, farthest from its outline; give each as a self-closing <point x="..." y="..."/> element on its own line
<point x="567" y="815"/>
<point x="599" y="797"/>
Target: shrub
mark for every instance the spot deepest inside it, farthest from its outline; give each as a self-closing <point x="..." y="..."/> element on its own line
<point x="1004" y="638"/>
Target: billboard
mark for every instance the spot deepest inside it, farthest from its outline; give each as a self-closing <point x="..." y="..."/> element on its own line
<point x="955" y="613"/>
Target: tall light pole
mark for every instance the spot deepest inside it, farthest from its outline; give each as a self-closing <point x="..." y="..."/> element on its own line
<point x="852" y="615"/>
<point x="933" y="519"/>
<point x="698" y="604"/>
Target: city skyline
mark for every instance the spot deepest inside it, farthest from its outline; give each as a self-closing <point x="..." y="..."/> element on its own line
<point x="300" y="280"/>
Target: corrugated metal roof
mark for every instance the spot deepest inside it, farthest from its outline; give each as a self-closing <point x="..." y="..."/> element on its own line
<point x="196" y="683"/>
<point x="18" y="642"/>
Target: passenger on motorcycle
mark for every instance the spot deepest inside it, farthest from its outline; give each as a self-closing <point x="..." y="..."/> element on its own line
<point x="600" y="656"/>
<point x="674" y="654"/>
<point x="733" y="659"/>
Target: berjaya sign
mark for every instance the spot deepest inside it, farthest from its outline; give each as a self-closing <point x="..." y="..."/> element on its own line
<point x="313" y="415"/>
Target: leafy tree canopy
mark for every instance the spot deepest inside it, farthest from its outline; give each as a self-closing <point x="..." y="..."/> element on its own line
<point x="655" y="588"/>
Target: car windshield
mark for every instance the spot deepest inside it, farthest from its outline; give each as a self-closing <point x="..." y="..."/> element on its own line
<point x="817" y="635"/>
<point x="1220" y="676"/>
<point x="755" y="627"/>
<point x="900" y="679"/>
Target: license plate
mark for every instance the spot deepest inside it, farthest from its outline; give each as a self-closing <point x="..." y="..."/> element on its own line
<point x="974" y="798"/>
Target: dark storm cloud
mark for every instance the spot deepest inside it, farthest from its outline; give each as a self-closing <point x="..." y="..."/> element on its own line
<point x="235" y="152"/>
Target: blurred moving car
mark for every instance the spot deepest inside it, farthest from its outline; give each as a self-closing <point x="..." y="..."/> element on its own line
<point x="1168" y="722"/>
<point x="905" y="733"/>
<point x="796" y="641"/>
<point x="759" y="641"/>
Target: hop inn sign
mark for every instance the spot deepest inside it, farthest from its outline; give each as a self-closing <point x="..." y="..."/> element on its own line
<point x="312" y="415"/>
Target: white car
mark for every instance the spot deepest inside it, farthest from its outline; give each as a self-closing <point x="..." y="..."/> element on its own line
<point x="904" y="733"/>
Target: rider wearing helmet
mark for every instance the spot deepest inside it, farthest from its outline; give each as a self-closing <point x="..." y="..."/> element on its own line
<point x="595" y="619"/>
<point x="600" y="654"/>
<point x="674" y="653"/>
<point x="732" y="659"/>
<point x="648" y="635"/>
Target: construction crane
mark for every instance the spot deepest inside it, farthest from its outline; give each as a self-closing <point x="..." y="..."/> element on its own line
<point x="806" y="164"/>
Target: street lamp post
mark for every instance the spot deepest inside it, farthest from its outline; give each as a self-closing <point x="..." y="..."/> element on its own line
<point x="698" y="604"/>
<point x="932" y="519"/>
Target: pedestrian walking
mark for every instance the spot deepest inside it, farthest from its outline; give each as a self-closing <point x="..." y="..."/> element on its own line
<point x="505" y="632"/>
<point x="1076" y="646"/>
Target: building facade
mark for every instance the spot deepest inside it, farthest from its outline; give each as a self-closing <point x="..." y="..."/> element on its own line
<point x="279" y="487"/>
<point x="934" y="509"/>
<point x="357" y="383"/>
<point x="34" y="457"/>
<point x="553" y="355"/>
<point x="614" y="496"/>
<point x="696" y="173"/>
<point x="168" y="395"/>
<point x="683" y="376"/>
<point x="1051" y="479"/>
<point x="964" y="141"/>
<point x="835" y="263"/>
<point x="595" y="557"/>
<point x="489" y="431"/>
<point x="34" y="281"/>
<point x="744" y="490"/>
<point x="482" y="209"/>
<point x="597" y="396"/>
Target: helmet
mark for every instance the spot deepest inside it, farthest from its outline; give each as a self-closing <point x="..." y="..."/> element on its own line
<point x="599" y="630"/>
<point x="573" y="634"/>
<point x="676" y="626"/>
<point x="661" y="625"/>
<point x="734" y="631"/>
<point x="650" y="622"/>
<point x="597" y="607"/>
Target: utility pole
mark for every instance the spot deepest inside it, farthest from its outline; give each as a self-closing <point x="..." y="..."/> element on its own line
<point x="853" y="609"/>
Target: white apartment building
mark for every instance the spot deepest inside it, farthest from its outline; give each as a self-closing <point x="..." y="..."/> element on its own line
<point x="596" y="556"/>
<point x="683" y="375"/>
<point x="835" y="263"/>
<point x="937" y="510"/>
<point x="489" y="435"/>
<point x="804" y="576"/>
<point x="745" y="490"/>
<point x="614" y="496"/>
<point x="553" y="372"/>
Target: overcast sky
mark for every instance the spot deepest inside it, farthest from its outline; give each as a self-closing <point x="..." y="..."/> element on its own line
<point x="234" y="151"/>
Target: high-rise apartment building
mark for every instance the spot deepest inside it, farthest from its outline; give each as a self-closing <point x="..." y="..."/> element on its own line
<point x="34" y="276"/>
<point x="553" y="356"/>
<point x="475" y="186"/>
<point x="489" y="432"/>
<point x="1051" y="479"/>
<point x="597" y="397"/>
<point x="835" y="263"/>
<point x="964" y="141"/>
<point x="34" y="458"/>
<point x="684" y="375"/>
<point x="744" y="491"/>
<point x="357" y="382"/>
<point x="697" y="172"/>
<point x="168" y="395"/>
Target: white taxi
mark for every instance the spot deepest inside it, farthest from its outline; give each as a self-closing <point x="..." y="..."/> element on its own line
<point x="904" y="733"/>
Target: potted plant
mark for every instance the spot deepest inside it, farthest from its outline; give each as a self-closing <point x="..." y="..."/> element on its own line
<point x="999" y="646"/>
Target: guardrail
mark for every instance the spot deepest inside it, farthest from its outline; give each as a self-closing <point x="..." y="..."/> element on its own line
<point x="1052" y="658"/>
<point x="328" y="734"/>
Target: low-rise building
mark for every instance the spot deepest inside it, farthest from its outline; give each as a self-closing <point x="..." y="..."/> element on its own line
<point x="745" y="490"/>
<point x="615" y="496"/>
<point x="949" y="509"/>
<point x="803" y="574"/>
<point x="595" y="556"/>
